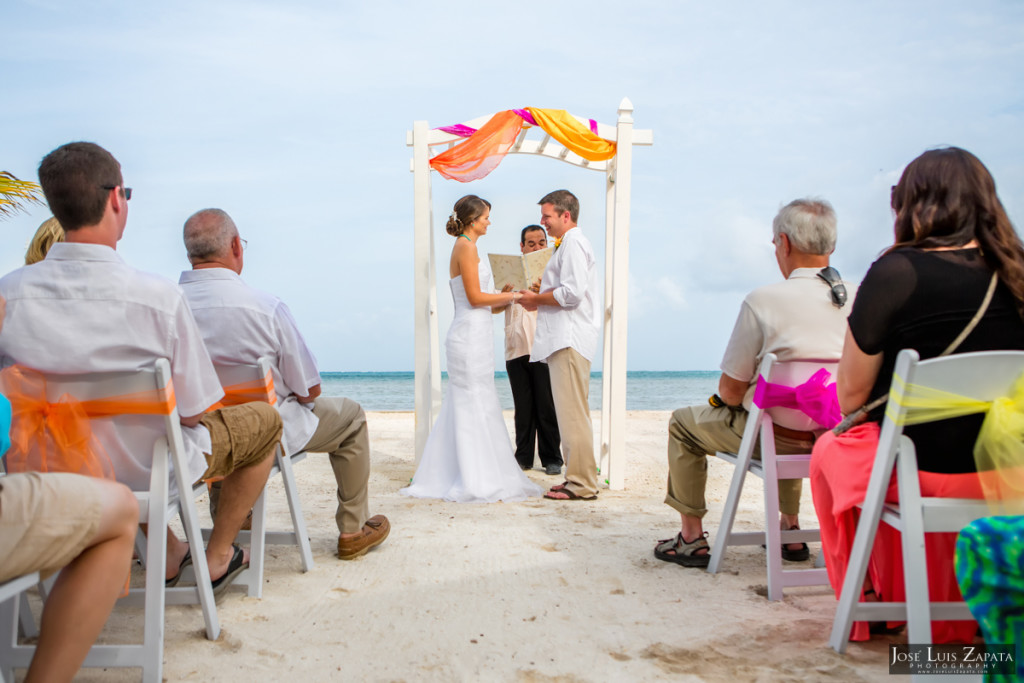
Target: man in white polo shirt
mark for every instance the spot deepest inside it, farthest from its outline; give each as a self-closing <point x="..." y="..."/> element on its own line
<point x="568" y="322"/>
<point x="239" y="325"/>
<point x="83" y="309"/>
<point x="800" y="318"/>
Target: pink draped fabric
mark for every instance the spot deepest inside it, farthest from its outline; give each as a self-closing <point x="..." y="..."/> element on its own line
<point x="458" y="129"/>
<point x="814" y="398"/>
<point x="840" y="470"/>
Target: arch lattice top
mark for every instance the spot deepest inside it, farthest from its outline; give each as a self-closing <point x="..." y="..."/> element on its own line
<point x="476" y="148"/>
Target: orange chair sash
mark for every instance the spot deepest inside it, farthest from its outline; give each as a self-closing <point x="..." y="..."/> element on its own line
<point x="57" y="437"/>
<point x="247" y="392"/>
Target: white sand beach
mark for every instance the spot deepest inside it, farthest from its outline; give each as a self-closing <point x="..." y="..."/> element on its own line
<point x="533" y="591"/>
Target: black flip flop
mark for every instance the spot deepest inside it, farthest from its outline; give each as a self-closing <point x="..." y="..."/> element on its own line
<point x="185" y="562"/>
<point x="235" y="567"/>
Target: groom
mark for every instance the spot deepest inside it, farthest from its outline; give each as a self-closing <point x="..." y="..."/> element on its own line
<point x="568" y="321"/>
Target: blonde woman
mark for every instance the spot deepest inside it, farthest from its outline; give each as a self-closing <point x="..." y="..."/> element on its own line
<point x="468" y="456"/>
<point x="48" y="234"/>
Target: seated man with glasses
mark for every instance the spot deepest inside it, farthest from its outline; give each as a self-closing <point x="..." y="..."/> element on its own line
<point x="801" y="318"/>
<point x="239" y="325"/>
<point x="82" y="309"/>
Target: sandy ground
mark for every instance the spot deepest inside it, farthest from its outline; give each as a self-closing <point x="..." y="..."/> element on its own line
<point x="532" y="591"/>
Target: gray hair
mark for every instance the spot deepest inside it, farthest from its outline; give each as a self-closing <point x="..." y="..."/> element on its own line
<point x="208" y="233"/>
<point x="810" y="225"/>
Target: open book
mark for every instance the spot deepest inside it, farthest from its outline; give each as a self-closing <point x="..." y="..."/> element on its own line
<point x="519" y="270"/>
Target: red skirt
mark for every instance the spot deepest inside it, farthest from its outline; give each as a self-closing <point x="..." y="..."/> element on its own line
<point x="840" y="471"/>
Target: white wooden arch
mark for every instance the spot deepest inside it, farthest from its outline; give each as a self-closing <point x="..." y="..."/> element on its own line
<point x="617" y="172"/>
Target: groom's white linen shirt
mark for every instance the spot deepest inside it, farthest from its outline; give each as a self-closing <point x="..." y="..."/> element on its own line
<point x="83" y="309"/>
<point x="572" y="275"/>
<point x="239" y="325"/>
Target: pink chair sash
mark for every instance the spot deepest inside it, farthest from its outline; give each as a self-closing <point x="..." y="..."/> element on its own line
<point x="813" y="398"/>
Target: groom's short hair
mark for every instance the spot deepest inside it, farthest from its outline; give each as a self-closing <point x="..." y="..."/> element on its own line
<point x="563" y="201"/>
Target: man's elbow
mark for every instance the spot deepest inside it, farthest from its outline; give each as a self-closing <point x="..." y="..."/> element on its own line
<point x="191" y="421"/>
<point x="311" y="394"/>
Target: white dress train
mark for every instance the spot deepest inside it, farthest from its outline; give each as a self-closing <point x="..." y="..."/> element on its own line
<point x="468" y="457"/>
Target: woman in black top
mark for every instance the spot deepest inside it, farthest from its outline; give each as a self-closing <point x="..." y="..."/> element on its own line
<point x="952" y="234"/>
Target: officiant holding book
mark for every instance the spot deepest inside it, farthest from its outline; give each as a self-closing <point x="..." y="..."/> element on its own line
<point x="536" y="425"/>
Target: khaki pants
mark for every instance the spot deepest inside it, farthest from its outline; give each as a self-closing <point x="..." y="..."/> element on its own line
<point x="343" y="435"/>
<point x="570" y="388"/>
<point x="698" y="431"/>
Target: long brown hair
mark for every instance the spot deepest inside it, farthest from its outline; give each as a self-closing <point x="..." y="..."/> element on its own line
<point x="946" y="198"/>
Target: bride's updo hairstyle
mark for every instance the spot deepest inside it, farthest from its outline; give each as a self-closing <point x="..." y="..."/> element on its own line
<point x="466" y="210"/>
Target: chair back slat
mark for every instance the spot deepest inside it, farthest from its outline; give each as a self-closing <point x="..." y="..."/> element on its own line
<point x="984" y="375"/>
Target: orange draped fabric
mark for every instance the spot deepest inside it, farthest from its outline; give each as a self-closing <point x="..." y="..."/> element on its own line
<point x="247" y="392"/>
<point x="482" y="152"/>
<point x="57" y="437"/>
<point x="576" y="137"/>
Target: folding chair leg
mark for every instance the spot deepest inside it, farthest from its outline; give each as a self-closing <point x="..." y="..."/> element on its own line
<point x="295" y="507"/>
<point x="919" y="618"/>
<point x="252" y="578"/>
<point x="864" y="540"/>
<point x="772" y="532"/>
<point x="194" y="535"/>
<point x="28" y="624"/>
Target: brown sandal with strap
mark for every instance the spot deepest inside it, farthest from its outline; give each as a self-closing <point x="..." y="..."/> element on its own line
<point x="683" y="552"/>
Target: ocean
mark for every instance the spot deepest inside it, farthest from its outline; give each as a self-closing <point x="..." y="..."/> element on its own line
<point x="644" y="390"/>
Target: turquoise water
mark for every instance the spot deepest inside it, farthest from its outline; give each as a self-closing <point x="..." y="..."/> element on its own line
<point x="644" y="390"/>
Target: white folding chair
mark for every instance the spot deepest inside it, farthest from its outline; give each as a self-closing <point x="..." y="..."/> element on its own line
<point x="28" y="624"/>
<point x="11" y="592"/>
<point x="234" y="375"/>
<point x="771" y="468"/>
<point x="984" y="376"/>
<point x="156" y="506"/>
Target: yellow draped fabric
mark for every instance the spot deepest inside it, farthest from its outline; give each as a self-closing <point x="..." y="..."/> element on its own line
<point x="999" y="450"/>
<point x="576" y="137"/>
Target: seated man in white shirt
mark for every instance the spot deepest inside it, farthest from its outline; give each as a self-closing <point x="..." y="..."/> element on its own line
<point x="83" y="309"/>
<point x="800" y="318"/>
<point x="239" y="325"/>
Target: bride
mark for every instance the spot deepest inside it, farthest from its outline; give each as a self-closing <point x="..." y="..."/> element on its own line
<point x="468" y="457"/>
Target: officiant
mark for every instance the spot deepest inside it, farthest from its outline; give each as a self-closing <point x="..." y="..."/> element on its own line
<point x="536" y="426"/>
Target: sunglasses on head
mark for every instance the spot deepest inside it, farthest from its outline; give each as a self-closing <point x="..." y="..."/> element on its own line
<point x="837" y="289"/>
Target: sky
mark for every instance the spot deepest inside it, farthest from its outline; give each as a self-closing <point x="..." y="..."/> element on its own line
<point x="292" y="117"/>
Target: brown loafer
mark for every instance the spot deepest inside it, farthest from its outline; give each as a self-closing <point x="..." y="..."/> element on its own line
<point x="373" y="534"/>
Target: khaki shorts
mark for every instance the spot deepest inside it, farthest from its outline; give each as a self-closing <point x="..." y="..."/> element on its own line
<point x="241" y="436"/>
<point x="46" y="521"/>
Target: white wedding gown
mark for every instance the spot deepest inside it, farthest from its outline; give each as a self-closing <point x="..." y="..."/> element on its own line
<point x="468" y="457"/>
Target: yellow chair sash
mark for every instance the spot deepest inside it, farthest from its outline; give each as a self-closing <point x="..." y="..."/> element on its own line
<point x="999" y="449"/>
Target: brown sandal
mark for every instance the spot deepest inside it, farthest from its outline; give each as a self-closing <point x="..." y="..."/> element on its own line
<point x="567" y="492"/>
<point x="684" y="552"/>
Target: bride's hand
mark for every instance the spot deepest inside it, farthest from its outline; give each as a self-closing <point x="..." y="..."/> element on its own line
<point x="507" y="287"/>
<point x="527" y="300"/>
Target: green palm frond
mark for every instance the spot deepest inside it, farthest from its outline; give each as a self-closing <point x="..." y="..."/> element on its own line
<point x="15" y="194"/>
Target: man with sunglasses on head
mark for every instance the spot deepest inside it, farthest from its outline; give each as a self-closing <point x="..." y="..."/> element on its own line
<point x="802" y="317"/>
<point x="84" y="310"/>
